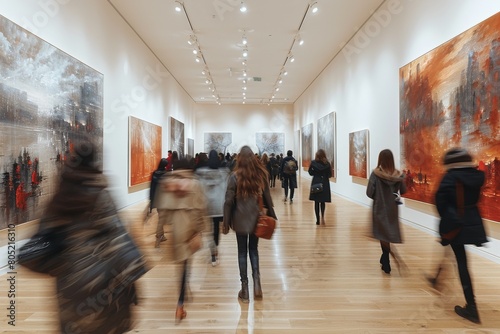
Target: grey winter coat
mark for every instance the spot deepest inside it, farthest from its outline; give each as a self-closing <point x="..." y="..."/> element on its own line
<point x="321" y="173"/>
<point x="241" y="214"/>
<point x="446" y="203"/>
<point x="214" y="182"/>
<point x="381" y="188"/>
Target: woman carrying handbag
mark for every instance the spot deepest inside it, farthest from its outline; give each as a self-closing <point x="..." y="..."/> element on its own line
<point x="246" y="184"/>
<point x="321" y="171"/>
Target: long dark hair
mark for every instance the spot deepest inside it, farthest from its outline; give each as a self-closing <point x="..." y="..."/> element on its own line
<point x="386" y="161"/>
<point x="321" y="156"/>
<point x="251" y="174"/>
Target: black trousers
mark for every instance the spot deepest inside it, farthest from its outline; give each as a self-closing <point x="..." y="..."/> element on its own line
<point x="247" y="246"/>
<point x="463" y="272"/>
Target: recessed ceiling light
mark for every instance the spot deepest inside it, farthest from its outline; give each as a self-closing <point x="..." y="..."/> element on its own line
<point x="277" y="88"/>
<point x="245" y="53"/>
<point x="195" y="51"/>
<point x="178" y="6"/>
<point x="314" y="7"/>
<point x="244" y="40"/>
<point x="244" y="88"/>
<point x="285" y="73"/>
<point x="243" y="7"/>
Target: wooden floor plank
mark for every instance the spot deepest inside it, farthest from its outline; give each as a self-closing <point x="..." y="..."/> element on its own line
<point x="315" y="279"/>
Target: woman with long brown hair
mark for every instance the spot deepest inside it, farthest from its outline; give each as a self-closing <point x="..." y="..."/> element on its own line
<point x="321" y="171"/>
<point x="247" y="183"/>
<point x="385" y="181"/>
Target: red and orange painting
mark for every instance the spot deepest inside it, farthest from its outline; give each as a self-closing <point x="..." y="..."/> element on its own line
<point x="145" y="150"/>
<point x="450" y="97"/>
<point x="358" y="154"/>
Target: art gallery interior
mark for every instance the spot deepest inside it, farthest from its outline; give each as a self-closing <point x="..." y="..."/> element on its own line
<point x="355" y="76"/>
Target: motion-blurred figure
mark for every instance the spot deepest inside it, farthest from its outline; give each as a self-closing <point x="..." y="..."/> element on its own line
<point x="181" y="202"/>
<point x="461" y="223"/>
<point x="98" y="262"/>
<point x="214" y="180"/>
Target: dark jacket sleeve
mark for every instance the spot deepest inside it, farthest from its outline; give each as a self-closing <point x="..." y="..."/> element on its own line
<point x="268" y="202"/>
<point x="230" y="201"/>
<point x="370" y="188"/>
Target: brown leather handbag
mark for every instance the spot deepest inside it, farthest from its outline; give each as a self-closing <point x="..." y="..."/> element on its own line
<point x="265" y="224"/>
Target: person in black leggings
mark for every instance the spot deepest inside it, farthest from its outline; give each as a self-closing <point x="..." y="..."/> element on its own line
<point x="461" y="223"/>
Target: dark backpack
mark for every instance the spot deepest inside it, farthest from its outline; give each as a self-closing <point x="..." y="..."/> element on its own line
<point x="290" y="167"/>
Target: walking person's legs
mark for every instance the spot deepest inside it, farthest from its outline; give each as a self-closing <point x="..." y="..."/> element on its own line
<point x="384" y="259"/>
<point x="316" y="212"/>
<point x="253" y="253"/>
<point x="180" y="313"/>
<point x="242" y="241"/>
<point x="468" y="312"/>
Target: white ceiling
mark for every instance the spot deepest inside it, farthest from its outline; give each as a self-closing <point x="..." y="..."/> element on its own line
<point x="271" y="28"/>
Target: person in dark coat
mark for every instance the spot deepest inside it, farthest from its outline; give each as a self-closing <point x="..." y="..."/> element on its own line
<point x="385" y="181"/>
<point x="155" y="178"/>
<point x="246" y="184"/>
<point x="461" y="223"/>
<point x="289" y="174"/>
<point x="99" y="263"/>
<point x="275" y="168"/>
<point x="321" y="171"/>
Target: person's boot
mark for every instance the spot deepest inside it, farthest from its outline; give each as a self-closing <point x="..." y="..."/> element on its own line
<point x="243" y="293"/>
<point x="468" y="312"/>
<point x="257" y="288"/>
<point x="385" y="263"/>
<point x="254" y="261"/>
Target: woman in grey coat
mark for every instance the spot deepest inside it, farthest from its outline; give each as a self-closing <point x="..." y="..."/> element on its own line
<point x="384" y="184"/>
<point x="241" y="210"/>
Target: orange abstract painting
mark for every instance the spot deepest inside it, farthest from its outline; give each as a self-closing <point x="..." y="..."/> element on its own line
<point x="144" y="150"/>
<point x="450" y="97"/>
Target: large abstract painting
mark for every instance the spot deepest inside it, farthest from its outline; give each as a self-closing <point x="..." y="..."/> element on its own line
<point x="451" y="97"/>
<point x="190" y="150"/>
<point x="144" y="150"/>
<point x="47" y="98"/>
<point x="307" y="145"/>
<point x="326" y="138"/>
<point x="270" y="142"/>
<point x="218" y="141"/>
<point x="358" y="154"/>
<point x="177" y="136"/>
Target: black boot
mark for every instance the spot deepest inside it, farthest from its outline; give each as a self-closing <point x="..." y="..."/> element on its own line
<point x="257" y="289"/>
<point x="385" y="262"/>
<point x="468" y="312"/>
<point x="243" y="294"/>
<point x="254" y="261"/>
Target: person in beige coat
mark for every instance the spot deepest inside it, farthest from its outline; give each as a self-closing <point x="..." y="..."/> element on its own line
<point x="181" y="203"/>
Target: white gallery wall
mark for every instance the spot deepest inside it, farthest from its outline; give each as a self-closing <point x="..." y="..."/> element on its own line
<point x="243" y="121"/>
<point x="361" y="84"/>
<point x="135" y="82"/>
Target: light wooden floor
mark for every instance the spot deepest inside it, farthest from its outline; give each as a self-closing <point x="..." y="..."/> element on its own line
<point x="324" y="279"/>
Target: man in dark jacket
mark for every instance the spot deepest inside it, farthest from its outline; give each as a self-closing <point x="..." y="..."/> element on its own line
<point x="461" y="223"/>
<point x="288" y="170"/>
